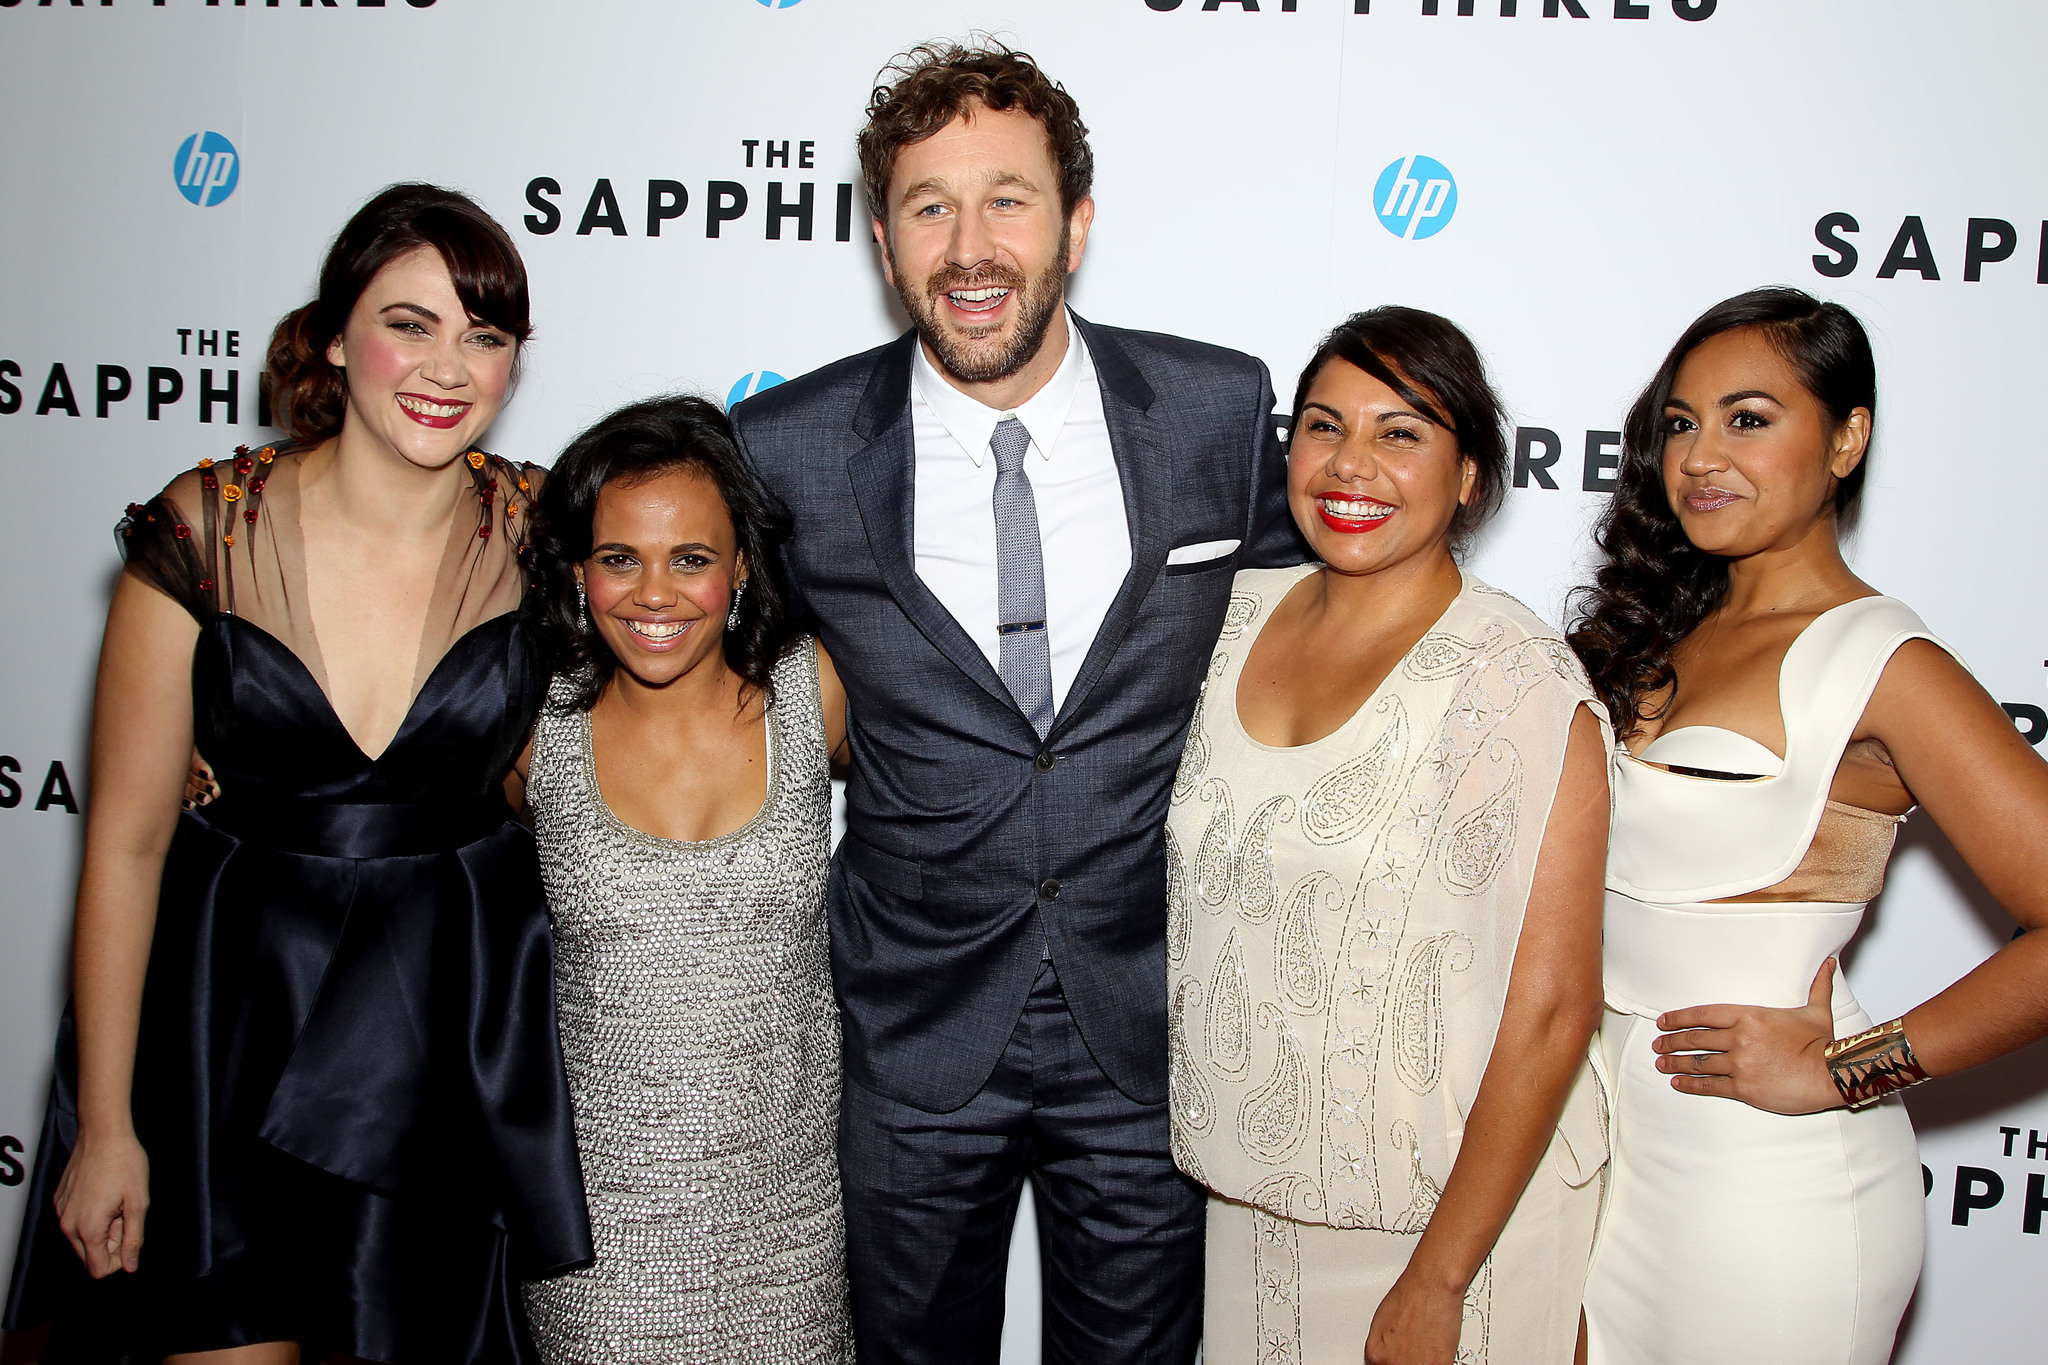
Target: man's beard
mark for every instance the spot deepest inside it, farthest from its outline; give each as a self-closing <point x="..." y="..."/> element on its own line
<point x="971" y="359"/>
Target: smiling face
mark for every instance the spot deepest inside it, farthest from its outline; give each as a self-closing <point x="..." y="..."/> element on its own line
<point x="1372" y="483"/>
<point x="977" y="244"/>
<point x="660" y="577"/>
<point x="424" y="378"/>
<point x="1751" y="458"/>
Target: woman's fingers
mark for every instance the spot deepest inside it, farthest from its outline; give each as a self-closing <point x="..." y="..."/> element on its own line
<point x="1695" y="1040"/>
<point x="1700" y="1064"/>
<point x="129" y="1246"/>
<point x="1702" y="1016"/>
<point x="1719" y="1087"/>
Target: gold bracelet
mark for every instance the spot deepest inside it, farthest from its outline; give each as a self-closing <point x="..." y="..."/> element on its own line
<point x="1869" y="1065"/>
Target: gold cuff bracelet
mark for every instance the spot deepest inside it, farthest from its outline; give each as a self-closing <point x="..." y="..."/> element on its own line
<point x="1872" y="1064"/>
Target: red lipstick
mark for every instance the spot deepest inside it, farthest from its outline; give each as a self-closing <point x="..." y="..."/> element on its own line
<point x="436" y="415"/>
<point x="1349" y="525"/>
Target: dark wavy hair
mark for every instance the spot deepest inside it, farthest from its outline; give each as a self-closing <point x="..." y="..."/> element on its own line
<point x="935" y="83"/>
<point x="1436" y="369"/>
<point x="308" y="393"/>
<point x="632" y="445"/>
<point x="1653" y="587"/>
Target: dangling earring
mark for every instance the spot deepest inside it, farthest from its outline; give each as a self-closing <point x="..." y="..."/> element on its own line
<point x="582" y="608"/>
<point x="732" y="617"/>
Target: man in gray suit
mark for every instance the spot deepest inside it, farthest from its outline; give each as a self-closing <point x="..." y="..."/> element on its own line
<point x="1016" y="532"/>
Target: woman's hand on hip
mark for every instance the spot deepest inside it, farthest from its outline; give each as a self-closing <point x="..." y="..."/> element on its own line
<point x="1416" y="1324"/>
<point x="1767" y="1058"/>
<point x="101" y="1201"/>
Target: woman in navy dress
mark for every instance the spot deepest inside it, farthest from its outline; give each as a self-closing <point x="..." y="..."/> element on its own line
<point x="309" y="1101"/>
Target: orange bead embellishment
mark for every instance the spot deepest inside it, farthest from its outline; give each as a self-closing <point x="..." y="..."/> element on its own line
<point x="524" y="486"/>
<point x="266" y="455"/>
<point x="206" y="464"/>
<point x="232" y="493"/>
<point x="228" y="539"/>
<point x="476" y="459"/>
<point x="511" y="509"/>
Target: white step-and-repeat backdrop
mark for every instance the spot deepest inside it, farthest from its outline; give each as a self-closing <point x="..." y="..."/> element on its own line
<point x="1571" y="180"/>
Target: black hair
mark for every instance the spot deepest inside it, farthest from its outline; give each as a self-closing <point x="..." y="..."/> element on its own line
<point x="632" y="445"/>
<point x="1437" y="370"/>
<point x="1654" y="587"/>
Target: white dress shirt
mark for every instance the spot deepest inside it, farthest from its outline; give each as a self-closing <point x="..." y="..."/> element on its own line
<point x="1074" y="483"/>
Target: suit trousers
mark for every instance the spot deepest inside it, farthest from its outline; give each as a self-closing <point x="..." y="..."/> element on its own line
<point x="931" y="1199"/>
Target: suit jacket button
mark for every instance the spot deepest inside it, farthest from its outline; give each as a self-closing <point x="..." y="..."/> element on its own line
<point x="1045" y="761"/>
<point x="1049" y="889"/>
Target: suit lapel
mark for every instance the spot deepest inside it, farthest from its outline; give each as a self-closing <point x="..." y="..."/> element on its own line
<point x="884" y="478"/>
<point x="1144" y="466"/>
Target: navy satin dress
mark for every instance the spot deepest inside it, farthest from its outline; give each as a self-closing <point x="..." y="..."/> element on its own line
<point x="348" y="1081"/>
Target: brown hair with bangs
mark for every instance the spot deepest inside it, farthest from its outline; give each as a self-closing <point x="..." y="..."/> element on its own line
<point x="307" y="391"/>
<point x="936" y="83"/>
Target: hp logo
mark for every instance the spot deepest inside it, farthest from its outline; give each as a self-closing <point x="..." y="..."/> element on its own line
<point x="1415" y="197"/>
<point x="747" y="385"/>
<point x="780" y="4"/>
<point x="207" y="169"/>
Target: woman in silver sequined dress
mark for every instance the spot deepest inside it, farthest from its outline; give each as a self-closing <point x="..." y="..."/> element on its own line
<point x="679" y="784"/>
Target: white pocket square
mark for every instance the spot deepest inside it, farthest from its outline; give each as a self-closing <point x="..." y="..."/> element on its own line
<point x="1201" y="552"/>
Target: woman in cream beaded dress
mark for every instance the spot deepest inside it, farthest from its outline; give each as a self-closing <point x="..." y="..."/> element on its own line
<point x="1779" y="718"/>
<point x="1384" y="856"/>
<point x="680" y="787"/>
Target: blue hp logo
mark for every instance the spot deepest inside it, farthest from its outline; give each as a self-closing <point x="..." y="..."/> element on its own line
<point x="780" y="4"/>
<point x="1415" y="197"/>
<point x="747" y="385"/>
<point x="207" y="169"/>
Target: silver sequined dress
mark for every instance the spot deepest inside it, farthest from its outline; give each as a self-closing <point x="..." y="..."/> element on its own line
<point x="695" y="993"/>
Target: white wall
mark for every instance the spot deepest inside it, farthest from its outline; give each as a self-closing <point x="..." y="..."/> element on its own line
<point x="1614" y="176"/>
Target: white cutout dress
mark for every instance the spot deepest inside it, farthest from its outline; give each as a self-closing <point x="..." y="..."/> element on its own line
<point x="1731" y="1234"/>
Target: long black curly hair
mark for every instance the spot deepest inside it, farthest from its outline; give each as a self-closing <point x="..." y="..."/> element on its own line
<point x="1654" y="587"/>
<point x="634" y="444"/>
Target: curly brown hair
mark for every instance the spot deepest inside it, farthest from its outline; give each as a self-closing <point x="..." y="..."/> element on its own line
<point x="935" y="83"/>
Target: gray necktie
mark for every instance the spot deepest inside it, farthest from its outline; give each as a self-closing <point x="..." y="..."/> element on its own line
<point x="1025" y="658"/>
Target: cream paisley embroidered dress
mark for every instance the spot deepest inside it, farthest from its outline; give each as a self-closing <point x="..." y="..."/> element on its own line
<point x="1342" y="921"/>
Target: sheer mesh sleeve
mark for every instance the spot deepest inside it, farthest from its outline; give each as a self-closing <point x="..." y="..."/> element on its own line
<point x="525" y="482"/>
<point x="165" y="548"/>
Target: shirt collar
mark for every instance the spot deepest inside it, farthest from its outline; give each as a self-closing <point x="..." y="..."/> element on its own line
<point x="972" y="423"/>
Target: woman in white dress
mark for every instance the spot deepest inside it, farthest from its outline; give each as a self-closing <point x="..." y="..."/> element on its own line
<point x="1777" y="719"/>
<point x="1383" y="864"/>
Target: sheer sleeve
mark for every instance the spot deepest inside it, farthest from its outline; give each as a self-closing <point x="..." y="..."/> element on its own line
<point x="162" y="545"/>
<point x="526" y="481"/>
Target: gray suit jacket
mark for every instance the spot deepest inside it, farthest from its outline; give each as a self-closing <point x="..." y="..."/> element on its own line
<point x="973" y="850"/>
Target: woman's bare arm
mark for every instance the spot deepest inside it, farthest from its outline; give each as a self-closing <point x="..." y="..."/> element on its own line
<point x="1986" y="788"/>
<point x="515" y="782"/>
<point x="1553" y="1005"/>
<point x="832" y="696"/>
<point x="141" y="752"/>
